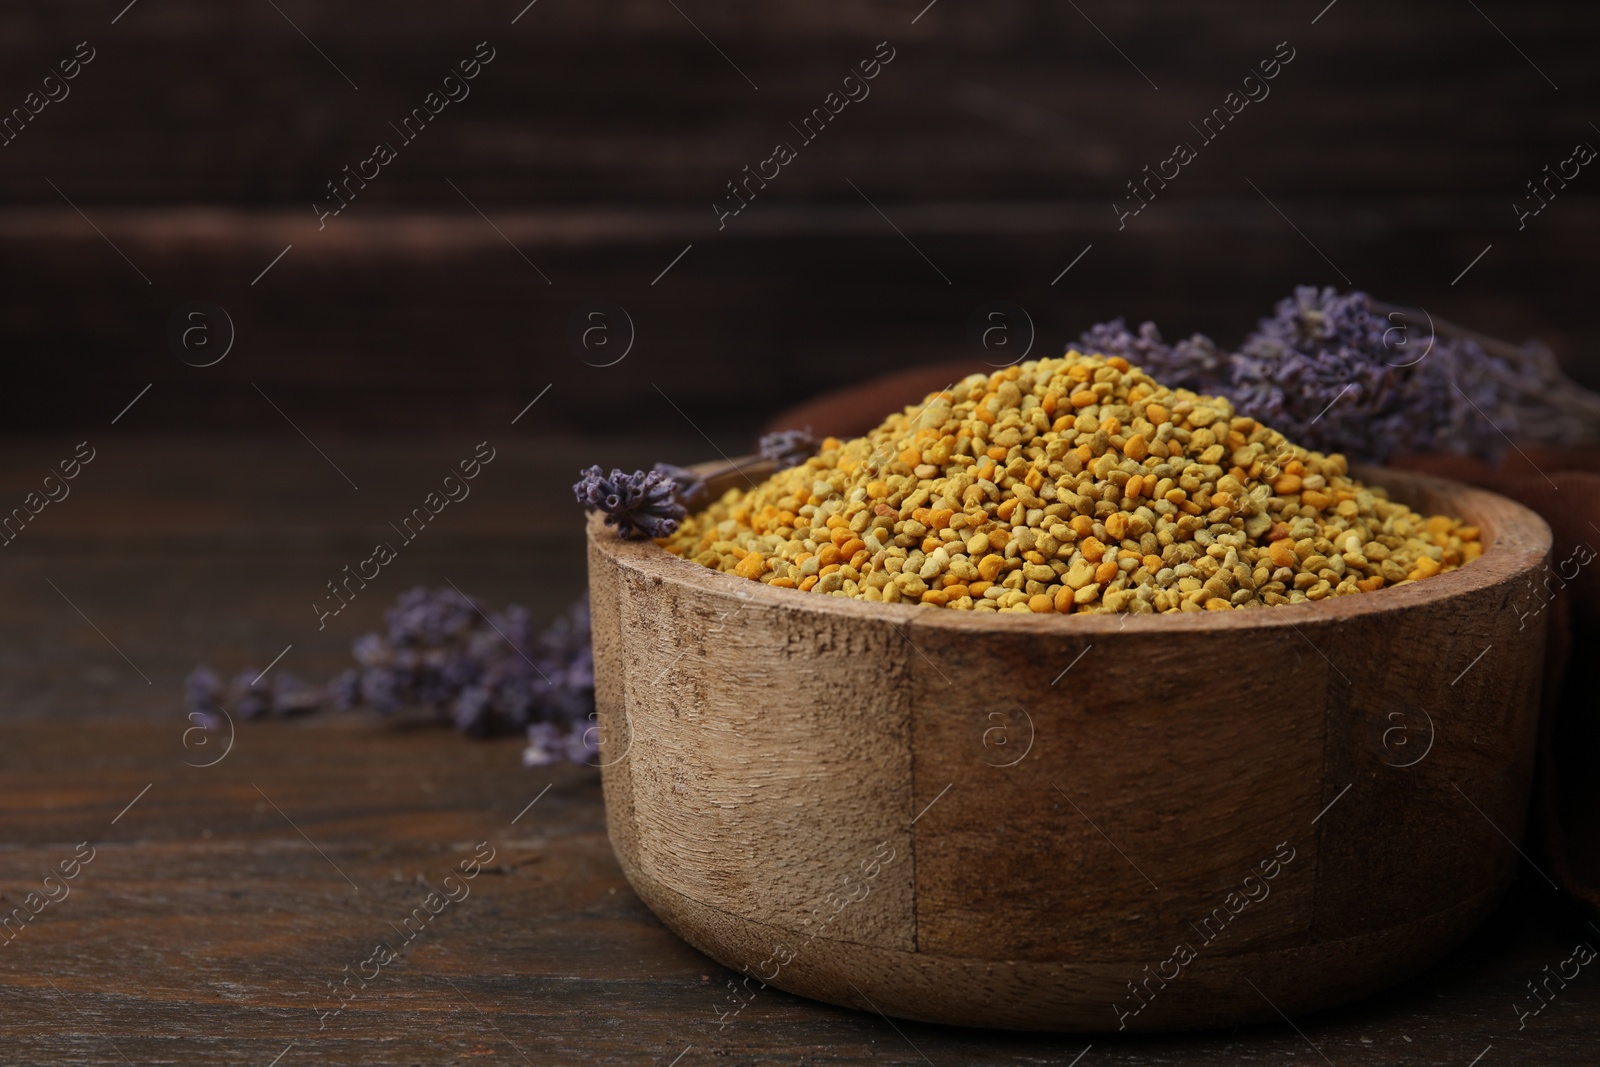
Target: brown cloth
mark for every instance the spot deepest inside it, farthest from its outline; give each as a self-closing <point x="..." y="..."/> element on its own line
<point x="1563" y="485"/>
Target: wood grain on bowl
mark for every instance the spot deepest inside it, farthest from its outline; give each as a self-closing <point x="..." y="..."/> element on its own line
<point x="1082" y="822"/>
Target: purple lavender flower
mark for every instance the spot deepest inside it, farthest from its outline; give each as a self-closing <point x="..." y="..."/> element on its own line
<point x="202" y="697"/>
<point x="473" y="711"/>
<point x="1145" y="349"/>
<point x="370" y="650"/>
<point x="1335" y="375"/>
<point x="248" y="695"/>
<point x="379" y="689"/>
<point x="789" y="448"/>
<point x="344" y="692"/>
<point x="565" y="651"/>
<point x="489" y="673"/>
<point x="1205" y="363"/>
<point x="640" y="505"/>
<point x="425" y="618"/>
<point x="583" y="742"/>
<point x="202" y="691"/>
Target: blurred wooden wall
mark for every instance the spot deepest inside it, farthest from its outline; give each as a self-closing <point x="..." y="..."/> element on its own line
<point x="601" y="133"/>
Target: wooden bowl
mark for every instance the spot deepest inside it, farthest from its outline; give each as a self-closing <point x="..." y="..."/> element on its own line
<point x="1072" y="822"/>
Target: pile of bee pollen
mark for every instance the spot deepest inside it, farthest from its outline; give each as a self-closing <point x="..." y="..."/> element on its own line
<point x="1072" y="484"/>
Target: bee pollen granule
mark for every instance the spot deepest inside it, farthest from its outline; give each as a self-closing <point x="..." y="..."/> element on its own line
<point x="1072" y="484"/>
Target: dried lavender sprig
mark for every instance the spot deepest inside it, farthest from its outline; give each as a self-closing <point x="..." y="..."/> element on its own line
<point x="488" y="672"/>
<point x="640" y="505"/>
<point x="248" y="695"/>
<point x="1336" y="375"/>
<point x="1549" y="406"/>
<point x="1339" y="372"/>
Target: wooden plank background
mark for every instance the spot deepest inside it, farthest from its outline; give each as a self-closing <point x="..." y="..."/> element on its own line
<point x="599" y="136"/>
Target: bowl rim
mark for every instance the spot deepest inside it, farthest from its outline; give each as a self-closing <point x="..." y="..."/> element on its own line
<point x="1517" y="539"/>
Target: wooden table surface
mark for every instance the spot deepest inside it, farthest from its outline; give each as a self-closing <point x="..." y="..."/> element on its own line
<point x="223" y="902"/>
